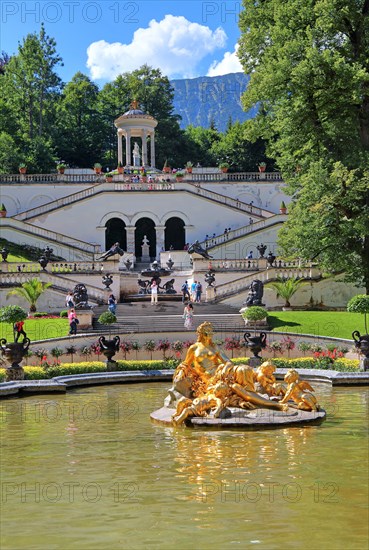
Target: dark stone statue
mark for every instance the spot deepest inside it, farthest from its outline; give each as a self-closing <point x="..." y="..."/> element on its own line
<point x="47" y="252"/>
<point x="115" y="249"/>
<point x="210" y="278"/>
<point x="80" y="297"/>
<point x="144" y="286"/>
<point x="168" y="287"/>
<point x="196" y="248"/>
<point x="107" y="280"/>
<point x="261" y="248"/>
<point x="255" y="294"/>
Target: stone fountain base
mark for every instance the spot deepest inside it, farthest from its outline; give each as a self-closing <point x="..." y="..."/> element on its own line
<point x="237" y="418"/>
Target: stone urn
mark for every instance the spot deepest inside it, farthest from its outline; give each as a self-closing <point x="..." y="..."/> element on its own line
<point x="255" y="343"/>
<point x="14" y="353"/>
<point x="362" y="344"/>
<point x="109" y="347"/>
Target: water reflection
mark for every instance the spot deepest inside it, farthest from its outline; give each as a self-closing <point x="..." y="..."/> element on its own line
<point x="163" y="488"/>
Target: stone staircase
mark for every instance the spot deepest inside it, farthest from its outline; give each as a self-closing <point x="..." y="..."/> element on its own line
<point x="142" y="317"/>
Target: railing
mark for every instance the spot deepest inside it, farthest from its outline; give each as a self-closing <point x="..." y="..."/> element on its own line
<point x="56" y="267"/>
<point x="243" y="283"/>
<point x="62" y="284"/>
<point x="236" y="176"/>
<point x="218" y="240"/>
<point x="229" y="201"/>
<point x="51" y="178"/>
<point x="49" y="235"/>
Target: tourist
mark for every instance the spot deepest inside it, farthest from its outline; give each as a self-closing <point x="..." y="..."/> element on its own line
<point x="198" y="292"/>
<point x="185" y="292"/>
<point x="69" y="301"/>
<point x="193" y="291"/>
<point x="73" y="321"/>
<point x="249" y="255"/>
<point x="18" y="330"/>
<point x="154" y="292"/>
<point x="112" y="303"/>
<point x="188" y="316"/>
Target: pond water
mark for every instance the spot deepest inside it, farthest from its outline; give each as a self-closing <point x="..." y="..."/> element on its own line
<point x="88" y="470"/>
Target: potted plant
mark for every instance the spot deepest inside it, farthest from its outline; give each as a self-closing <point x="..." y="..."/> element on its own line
<point x="283" y="208"/>
<point x="120" y="168"/>
<point x="189" y="166"/>
<point x="223" y="166"/>
<point x="2" y="211"/>
<point x="286" y="288"/>
<point x="254" y="314"/>
<point x="109" y="176"/>
<point x="179" y="176"/>
<point x="262" y="166"/>
<point x="22" y="168"/>
<point x="61" y="166"/>
<point x="97" y="168"/>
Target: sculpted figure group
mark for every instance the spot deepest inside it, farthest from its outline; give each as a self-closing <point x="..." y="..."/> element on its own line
<point x="207" y="381"/>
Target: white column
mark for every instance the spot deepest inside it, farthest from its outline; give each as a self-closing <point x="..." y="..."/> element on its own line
<point x="152" y="150"/>
<point x="130" y="231"/>
<point x="120" y="153"/>
<point x="160" y="239"/>
<point x="128" y="148"/>
<point x="144" y="148"/>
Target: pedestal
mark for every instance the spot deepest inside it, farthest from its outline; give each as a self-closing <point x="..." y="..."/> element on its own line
<point x="210" y="294"/>
<point x="364" y="364"/>
<point x="14" y="373"/>
<point x="85" y="317"/>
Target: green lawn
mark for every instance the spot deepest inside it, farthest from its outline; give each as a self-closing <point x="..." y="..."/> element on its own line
<point x="338" y="324"/>
<point x="38" y="329"/>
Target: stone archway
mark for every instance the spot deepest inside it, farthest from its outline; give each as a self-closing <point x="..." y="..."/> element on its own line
<point x="175" y="234"/>
<point x="115" y="232"/>
<point x="145" y="226"/>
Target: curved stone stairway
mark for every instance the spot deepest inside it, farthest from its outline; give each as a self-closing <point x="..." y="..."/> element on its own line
<point x="142" y="317"/>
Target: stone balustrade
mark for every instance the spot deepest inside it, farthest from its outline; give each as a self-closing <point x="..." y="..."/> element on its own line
<point x="59" y="267"/>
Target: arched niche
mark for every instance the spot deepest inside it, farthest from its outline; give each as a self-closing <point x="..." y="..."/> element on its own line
<point x="175" y="234"/>
<point x="115" y="232"/>
<point x="145" y="226"/>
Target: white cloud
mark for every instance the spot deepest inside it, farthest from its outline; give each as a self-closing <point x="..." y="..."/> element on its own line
<point x="174" y="44"/>
<point x="229" y="64"/>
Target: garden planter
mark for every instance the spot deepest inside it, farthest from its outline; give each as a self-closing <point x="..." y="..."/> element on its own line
<point x="14" y="353"/>
<point x="109" y="347"/>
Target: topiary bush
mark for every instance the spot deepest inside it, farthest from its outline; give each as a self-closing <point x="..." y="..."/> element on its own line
<point x="255" y="313"/>
<point x="359" y="304"/>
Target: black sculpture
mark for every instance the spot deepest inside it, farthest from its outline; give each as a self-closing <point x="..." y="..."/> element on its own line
<point x="168" y="287"/>
<point x="196" y="248"/>
<point x="261" y="248"/>
<point x="47" y="253"/>
<point x="109" y="347"/>
<point x="210" y="277"/>
<point x="43" y="261"/>
<point x="107" y="280"/>
<point x="362" y="344"/>
<point x="4" y="253"/>
<point x="14" y="353"/>
<point x="144" y="286"/>
<point x="255" y="294"/>
<point x="115" y="249"/>
<point x="270" y="259"/>
<point x="80" y="297"/>
<point x="255" y="343"/>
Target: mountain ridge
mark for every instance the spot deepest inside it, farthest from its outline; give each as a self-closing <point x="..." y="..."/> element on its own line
<point x="206" y="99"/>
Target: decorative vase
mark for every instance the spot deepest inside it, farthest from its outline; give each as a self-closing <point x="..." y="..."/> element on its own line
<point x="61" y="170"/>
<point x="109" y="347"/>
<point x="2" y="213"/>
<point x="22" y="170"/>
<point x="262" y="168"/>
<point x="14" y="353"/>
<point x="255" y="343"/>
<point x="362" y="344"/>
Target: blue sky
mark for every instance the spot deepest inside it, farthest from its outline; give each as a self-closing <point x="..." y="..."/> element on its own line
<point x="104" y="38"/>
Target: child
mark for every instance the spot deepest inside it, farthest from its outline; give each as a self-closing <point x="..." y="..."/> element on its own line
<point x="188" y="316"/>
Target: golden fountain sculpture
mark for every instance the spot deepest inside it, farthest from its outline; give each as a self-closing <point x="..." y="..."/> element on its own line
<point x="208" y="384"/>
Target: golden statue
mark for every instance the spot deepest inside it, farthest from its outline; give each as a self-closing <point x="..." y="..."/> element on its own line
<point x="207" y="379"/>
<point x="266" y="382"/>
<point x="299" y="392"/>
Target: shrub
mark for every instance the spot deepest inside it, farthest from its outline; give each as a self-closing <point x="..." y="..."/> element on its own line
<point x="231" y="343"/>
<point x="304" y="347"/>
<point x="163" y="345"/>
<point x="255" y="313"/>
<point x="40" y="353"/>
<point x="150" y="346"/>
<point x="177" y="347"/>
<point x="126" y="347"/>
<point x="107" y="318"/>
<point x="40" y="314"/>
<point x="136" y="346"/>
<point x="63" y="313"/>
<point x="35" y="373"/>
<point x="359" y="304"/>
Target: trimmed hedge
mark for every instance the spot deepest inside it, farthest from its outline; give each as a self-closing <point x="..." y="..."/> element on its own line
<point x="64" y="369"/>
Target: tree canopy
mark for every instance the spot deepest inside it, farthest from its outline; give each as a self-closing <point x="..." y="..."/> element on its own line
<point x="309" y="67"/>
